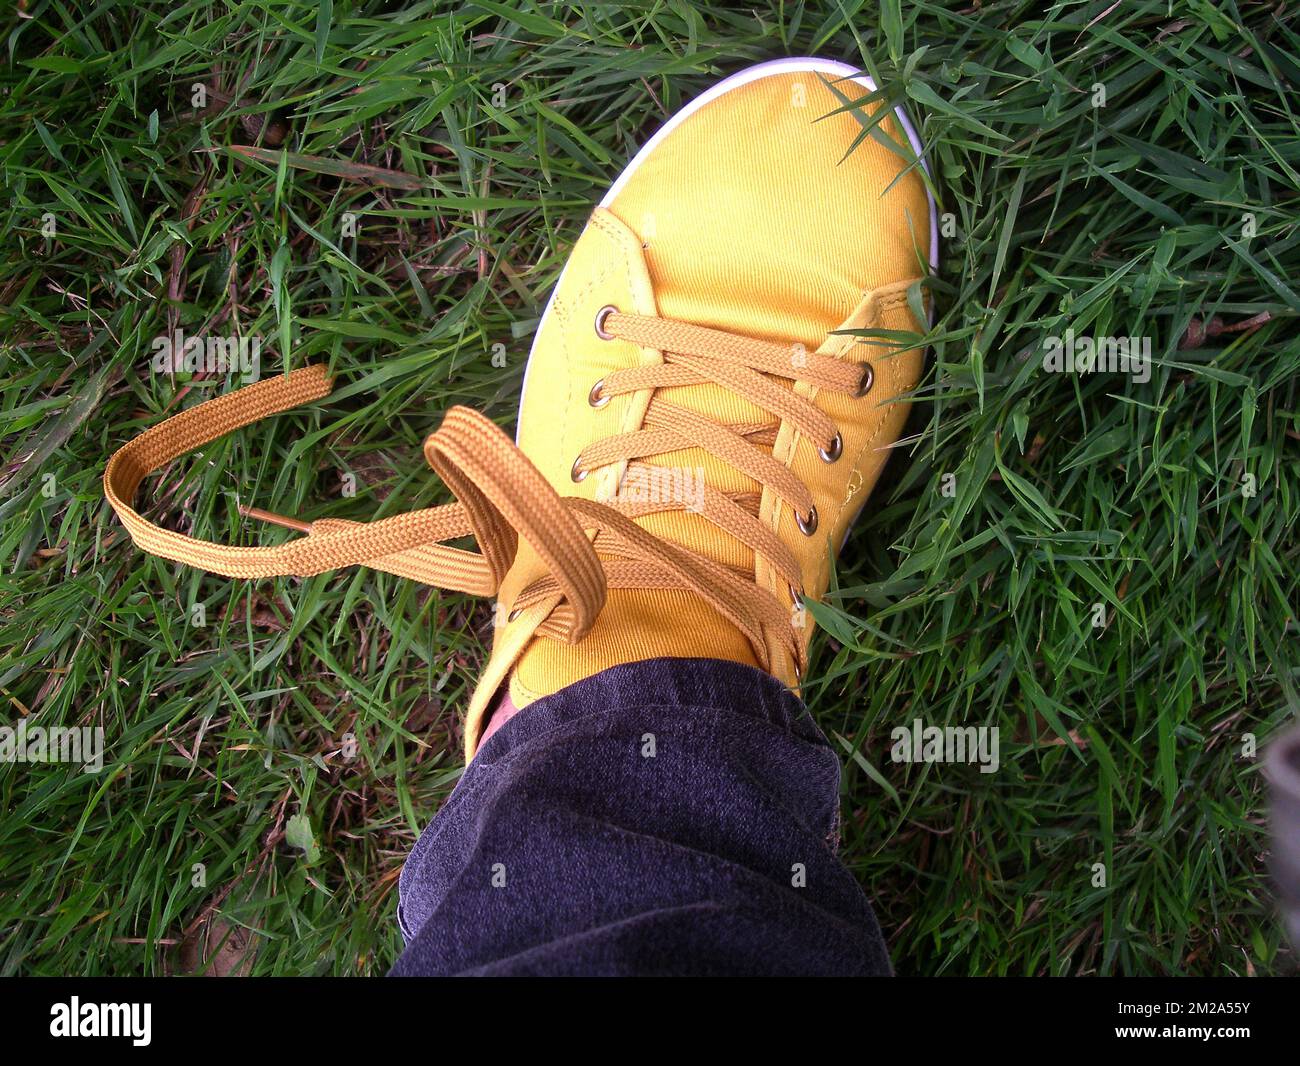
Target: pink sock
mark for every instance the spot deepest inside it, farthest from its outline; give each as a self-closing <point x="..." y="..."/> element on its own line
<point x="500" y="714"/>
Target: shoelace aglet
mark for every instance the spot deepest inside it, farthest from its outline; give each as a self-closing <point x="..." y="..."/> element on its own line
<point x="274" y="519"/>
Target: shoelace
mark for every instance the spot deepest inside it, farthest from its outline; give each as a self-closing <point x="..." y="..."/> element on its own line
<point x="587" y="547"/>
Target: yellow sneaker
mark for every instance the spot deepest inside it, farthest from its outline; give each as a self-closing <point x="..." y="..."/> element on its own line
<point x="701" y="437"/>
<point x="750" y="212"/>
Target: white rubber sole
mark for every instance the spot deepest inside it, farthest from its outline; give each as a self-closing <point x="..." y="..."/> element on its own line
<point x="829" y="67"/>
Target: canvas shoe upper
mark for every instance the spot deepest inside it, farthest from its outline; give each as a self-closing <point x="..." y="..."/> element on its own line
<point x="761" y="212"/>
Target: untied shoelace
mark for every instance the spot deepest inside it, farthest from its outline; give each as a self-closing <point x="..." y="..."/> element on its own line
<point x="587" y="547"/>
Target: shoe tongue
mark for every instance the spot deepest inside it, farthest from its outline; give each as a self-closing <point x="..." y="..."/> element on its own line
<point x="774" y="299"/>
<point x="769" y="297"/>
<point x="635" y="623"/>
<point x="638" y="624"/>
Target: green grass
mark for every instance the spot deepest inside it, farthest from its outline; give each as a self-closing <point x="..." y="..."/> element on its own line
<point x="1120" y="745"/>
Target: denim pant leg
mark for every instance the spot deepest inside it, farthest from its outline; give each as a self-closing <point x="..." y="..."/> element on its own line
<point x="674" y="816"/>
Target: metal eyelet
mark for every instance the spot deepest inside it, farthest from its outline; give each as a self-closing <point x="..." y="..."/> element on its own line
<point x="807" y="526"/>
<point x="866" y="381"/>
<point x="514" y="614"/>
<point x="576" y="474"/>
<point x="595" y="398"/>
<point x="601" y="315"/>
<point x="829" y="455"/>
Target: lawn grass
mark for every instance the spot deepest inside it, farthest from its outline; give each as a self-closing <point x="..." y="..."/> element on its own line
<point x="1169" y="213"/>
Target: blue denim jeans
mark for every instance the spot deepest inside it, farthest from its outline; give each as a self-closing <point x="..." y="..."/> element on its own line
<point x="674" y="816"/>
